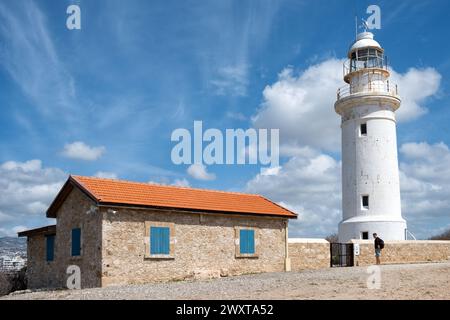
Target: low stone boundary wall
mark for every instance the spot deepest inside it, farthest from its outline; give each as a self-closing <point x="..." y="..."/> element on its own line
<point x="309" y="253"/>
<point x="396" y="252"/>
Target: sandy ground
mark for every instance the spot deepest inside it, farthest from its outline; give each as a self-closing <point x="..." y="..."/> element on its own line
<point x="412" y="281"/>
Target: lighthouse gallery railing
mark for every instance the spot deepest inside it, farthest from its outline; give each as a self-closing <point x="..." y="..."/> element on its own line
<point x="385" y="88"/>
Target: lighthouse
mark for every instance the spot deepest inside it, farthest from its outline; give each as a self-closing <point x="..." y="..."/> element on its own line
<point x="370" y="175"/>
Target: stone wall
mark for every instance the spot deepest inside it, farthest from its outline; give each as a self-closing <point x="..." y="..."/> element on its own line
<point x="403" y="252"/>
<point x="75" y="213"/>
<point x="309" y="254"/>
<point x="71" y="214"/>
<point x="204" y="246"/>
<point x="40" y="273"/>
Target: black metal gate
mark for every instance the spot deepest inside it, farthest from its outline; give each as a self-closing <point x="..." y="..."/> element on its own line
<point x="341" y="254"/>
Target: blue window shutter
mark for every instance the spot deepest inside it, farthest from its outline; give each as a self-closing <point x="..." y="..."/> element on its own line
<point x="247" y="241"/>
<point x="165" y="240"/>
<point x="159" y="240"/>
<point x="76" y="242"/>
<point x="50" y="247"/>
<point x="251" y="241"/>
<point x="154" y="232"/>
<point x="242" y="241"/>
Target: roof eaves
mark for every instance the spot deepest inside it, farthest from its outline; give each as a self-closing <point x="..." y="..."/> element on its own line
<point x="197" y="211"/>
<point x="294" y="215"/>
<point x="47" y="230"/>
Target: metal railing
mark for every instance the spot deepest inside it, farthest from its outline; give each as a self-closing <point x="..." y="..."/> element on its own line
<point x="385" y="88"/>
<point x="366" y="62"/>
<point x="407" y="232"/>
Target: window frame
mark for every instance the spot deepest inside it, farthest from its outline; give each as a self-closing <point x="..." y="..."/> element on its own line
<point x="237" y="242"/>
<point x="80" y="247"/>
<point x="47" y="256"/>
<point x="362" y="235"/>
<point x="361" y="133"/>
<point x="147" y="240"/>
<point x="365" y="207"/>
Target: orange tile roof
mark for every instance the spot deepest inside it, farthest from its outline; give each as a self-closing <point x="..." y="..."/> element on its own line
<point x="109" y="191"/>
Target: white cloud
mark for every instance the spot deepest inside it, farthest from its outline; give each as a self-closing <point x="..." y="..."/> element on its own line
<point x="29" y="166"/>
<point x="26" y="191"/>
<point x="425" y="181"/>
<point x="302" y="106"/>
<point x="415" y="86"/>
<point x="11" y="232"/>
<point x="199" y="172"/>
<point x="166" y="181"/>
<point x="231" y="80"/>
<point x="17" y="229"/>
<point x="270" y="171"/>
<point x="81" y="151"/>
<point x="308" y="184"/>
<point x="4" y="217"/>
<point x="36" y="207"/>
<point x="105" y="174"/>
<point x="181" y="183"/>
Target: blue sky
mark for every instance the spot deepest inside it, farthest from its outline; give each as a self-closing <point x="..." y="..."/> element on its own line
<point x="105" y="99"/>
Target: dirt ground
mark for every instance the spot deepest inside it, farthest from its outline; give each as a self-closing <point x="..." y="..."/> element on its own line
<point x="409" y="281"/>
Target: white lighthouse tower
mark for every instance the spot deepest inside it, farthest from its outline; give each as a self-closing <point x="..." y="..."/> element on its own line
<point x="370" y="176"/>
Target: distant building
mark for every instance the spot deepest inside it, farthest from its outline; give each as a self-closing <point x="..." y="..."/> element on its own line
<point x="14" y="263"/>
<point x="120" y="232"/>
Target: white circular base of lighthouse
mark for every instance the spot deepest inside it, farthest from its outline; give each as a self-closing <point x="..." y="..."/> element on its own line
<point x="386" y="230"/>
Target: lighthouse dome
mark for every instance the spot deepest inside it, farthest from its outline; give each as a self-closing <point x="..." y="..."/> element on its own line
<point x="364" y="40"/>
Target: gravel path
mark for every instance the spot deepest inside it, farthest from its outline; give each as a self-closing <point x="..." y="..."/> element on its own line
<point x="412" y="281"/>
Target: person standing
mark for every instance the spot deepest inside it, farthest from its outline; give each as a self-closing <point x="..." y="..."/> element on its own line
<point x="379" y="245"/>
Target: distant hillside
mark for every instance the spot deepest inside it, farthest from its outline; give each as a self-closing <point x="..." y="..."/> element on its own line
<point x="13" y="245"/>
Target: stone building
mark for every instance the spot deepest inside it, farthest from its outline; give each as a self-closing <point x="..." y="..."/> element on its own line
<point x="120" y="232"/>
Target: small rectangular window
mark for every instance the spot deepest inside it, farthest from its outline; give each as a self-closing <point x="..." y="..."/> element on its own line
<point x="365" y="202"/>
<point x="365" y="235"/>
<point x="247" y="241"/>
<point x="76" y="242"/>
<point x="363" y="129"/>
<point x="50" y="247"/>
<point x="159" y="240"/>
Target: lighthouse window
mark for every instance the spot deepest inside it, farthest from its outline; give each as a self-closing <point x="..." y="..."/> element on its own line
<point x="365" y="235"/>
<point x="365" y="202"/>
<point x="363" y="129"/>
<point x="363" y="53"/>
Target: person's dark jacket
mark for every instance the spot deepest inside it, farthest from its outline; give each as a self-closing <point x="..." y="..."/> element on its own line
<point x="379" y="243"/>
